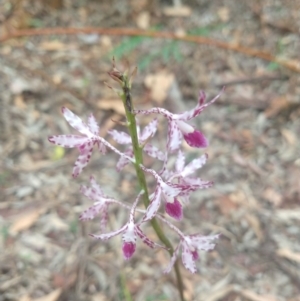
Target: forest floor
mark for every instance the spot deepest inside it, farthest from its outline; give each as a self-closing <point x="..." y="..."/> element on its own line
<point x="46" y="253"/>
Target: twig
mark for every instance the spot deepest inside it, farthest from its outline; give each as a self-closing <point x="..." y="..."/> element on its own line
<point x="258" y="79"/>
<point x="289" y="64"/>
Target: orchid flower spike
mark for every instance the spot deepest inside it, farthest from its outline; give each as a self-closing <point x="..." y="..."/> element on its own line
<point x="84" y="143"/>
<point x="129" y="231"/>
<point x="178" y="126"/>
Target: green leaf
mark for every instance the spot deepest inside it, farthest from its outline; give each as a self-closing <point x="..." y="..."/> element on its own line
<point x="272" y="66"/>
<point x="4" y="178"/>
<point x="166" y="52"/>
<point x="146" y="61"/>
<point x="85" y="82"/>
<point x="4" y="232"/>
<point x="206" y="30"/>
<point x="126" y="46"/>
<point x="73" y="226"/>
<point x="37" y="23"/>
<point x="176" y="52"/>
<point x="157" y="298"/>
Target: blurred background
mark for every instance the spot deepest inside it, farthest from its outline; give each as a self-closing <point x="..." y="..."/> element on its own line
<point x="254" y="153"/>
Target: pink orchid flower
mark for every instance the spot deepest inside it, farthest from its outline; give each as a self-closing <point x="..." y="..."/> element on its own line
<point x="166" y="191"/>
<point x="100" y="206"/>
<point x="129" y="231"/>
<point x="182" y="175"/>
<point x="190" y="245"/>
<point x="148" y="132"/>
<point x="84" y="142"/>
<point x="171" y="192"/>
<point x="179" y="127"/>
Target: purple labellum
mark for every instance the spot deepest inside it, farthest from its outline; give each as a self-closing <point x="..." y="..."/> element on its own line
<point x="128" y="250"/>
<point x="196" y="139"/>
<point x="174" y="209"/>
<point x="177" y="125"/>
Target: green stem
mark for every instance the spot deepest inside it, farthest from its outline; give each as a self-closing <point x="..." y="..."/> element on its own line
<point x="126" y="292"/>
<point x="138" y="155"/>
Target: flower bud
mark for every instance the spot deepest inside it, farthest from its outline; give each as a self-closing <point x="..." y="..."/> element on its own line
<point x="115" y="74"/>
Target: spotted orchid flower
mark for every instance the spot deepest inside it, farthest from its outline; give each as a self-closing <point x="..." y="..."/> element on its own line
<point x="148" y="132"/>
<point x="190" y="245"/>
<point x="84" y="142"/>
<point x="130" y="231"/>
<point x="182" y="175"/>
<point x="100" y="206"/>
<point x="166" y="191"/>
<point x="178" y="126"/>
<point x="173" y="193"/>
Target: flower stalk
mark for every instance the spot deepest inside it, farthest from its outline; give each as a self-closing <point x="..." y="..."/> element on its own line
<point x="173" y="187"/>
<point x="138" y="155"/>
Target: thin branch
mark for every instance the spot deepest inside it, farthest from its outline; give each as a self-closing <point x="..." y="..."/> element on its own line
<point x="293" y="65"/>
<point x="250" y="80"/>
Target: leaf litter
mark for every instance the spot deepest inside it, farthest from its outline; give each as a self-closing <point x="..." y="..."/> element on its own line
<point x="253" y="156"/>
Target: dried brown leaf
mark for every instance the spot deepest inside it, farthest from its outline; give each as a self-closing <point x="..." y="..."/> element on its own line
<point x="109" y="124"/>
<point x="255" y="224"/>
<point x="54" y="45"/>
<point x="226" y="205"/>
<point x="50" y="297"/>
<point x="288" y="254"/>
<point x="223" y="13"/>
<point x="64" y="281"/>
<point x="219" y="294"/>
<point x="247" y="163"/>
<point x="19" y="102"/>
<point x="143" y="20"/>
<point x="255" y="297"/>
<point x="99" y="297"/>
<point x="5" y="285"/>
<point x="56" y="4"/>
<point x="290" y="137"/>
<point x="277" y="105"/>
<point x="25" y="298"/>
<point x="241" y="198"/>
<point x="273" y="196"/>
<point x="159" y="85"/>
<point x="25" y="220"/>
<point x="177" y="11"/>
<point x="111" y="104"/>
